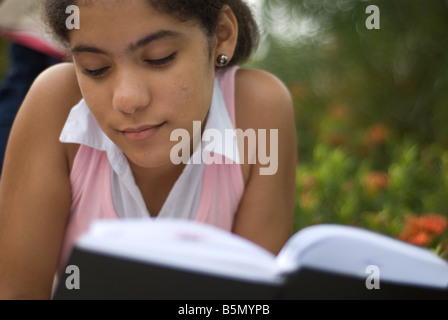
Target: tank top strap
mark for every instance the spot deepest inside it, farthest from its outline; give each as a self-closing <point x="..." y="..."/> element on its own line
<point x="226" y="79"/>
<point x="223" y="185"/>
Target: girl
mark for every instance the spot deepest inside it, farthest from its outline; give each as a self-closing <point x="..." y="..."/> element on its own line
<point x="94" y="138"/>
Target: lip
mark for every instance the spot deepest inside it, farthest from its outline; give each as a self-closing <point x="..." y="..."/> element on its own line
<point x="141" y="133"/>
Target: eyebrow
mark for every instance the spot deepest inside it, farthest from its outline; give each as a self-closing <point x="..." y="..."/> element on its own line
<point x="162" y="34"/>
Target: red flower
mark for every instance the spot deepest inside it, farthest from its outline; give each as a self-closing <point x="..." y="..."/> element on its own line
<point x="420" y="239"/>
<point x="376" y="135"/>
<point x="309" y="183"/>
<point x="338" y="111"/>
<point x="434" y="224"/>
<point x="336" y="139"/>
<point x="421" y="230"/>
<point x="375" y="182"/>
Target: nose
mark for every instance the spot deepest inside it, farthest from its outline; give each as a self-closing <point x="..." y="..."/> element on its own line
<point x="130" y="93"/>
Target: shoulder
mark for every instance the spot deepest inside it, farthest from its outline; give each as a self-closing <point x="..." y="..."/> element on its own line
<point x="52" y="95"/>
<point x="47" y="105"/>
<point x="262" y="100"/>
<point x="263" y="103"/>
<point x="58" y="82"/>
<point x="256" y="79"/>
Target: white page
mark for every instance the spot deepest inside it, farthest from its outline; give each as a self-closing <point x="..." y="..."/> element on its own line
<point x="349" y="250"/>
<point x="182" y="244"/>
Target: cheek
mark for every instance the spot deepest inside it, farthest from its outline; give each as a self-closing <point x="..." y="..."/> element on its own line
<point x="97" y="97"/>
<point x="193" y="102"/>
<point x="195" y="85"/>
<point x="92" y="94"/>
<point x="98" y="105"/>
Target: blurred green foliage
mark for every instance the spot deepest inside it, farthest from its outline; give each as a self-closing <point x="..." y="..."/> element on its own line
<point x="397" y="75"/>
<point x="370" y="105"/>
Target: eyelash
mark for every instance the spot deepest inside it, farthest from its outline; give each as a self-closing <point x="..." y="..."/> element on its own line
<point x="163" y="61"/>
<point x="94" y="73"/>
<point x="155" y="63"/>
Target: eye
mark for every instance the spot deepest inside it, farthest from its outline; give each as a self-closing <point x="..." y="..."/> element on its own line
<point x="162" y="62"/>
<point x="94" y="73"/>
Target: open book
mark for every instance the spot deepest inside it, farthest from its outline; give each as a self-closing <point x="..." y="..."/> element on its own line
<point x="177" y="259"/>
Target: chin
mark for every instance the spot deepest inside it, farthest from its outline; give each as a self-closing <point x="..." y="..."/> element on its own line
<point x="149" y="161"/>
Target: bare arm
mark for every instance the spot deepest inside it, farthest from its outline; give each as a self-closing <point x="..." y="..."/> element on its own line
<point x="266" y="213"/>
<point x="35" y="191"/>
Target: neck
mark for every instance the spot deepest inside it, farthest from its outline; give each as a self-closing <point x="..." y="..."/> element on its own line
<point x="155" y="184"/>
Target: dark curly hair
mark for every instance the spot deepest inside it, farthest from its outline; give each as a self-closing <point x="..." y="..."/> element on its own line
<point x="206" y="12"/>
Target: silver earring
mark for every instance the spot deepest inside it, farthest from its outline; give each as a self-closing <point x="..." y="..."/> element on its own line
<point x="222" y="60"/>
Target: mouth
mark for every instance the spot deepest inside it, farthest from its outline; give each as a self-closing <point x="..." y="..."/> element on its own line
<point x="141" y="133"/>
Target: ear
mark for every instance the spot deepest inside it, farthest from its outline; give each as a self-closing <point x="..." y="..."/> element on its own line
<point x="226" y="35"/>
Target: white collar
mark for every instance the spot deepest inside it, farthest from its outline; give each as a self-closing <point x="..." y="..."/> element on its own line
<point x="82" y="128"/>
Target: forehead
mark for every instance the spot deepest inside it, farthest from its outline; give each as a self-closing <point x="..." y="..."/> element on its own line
<point x="119" y="23"/>
<point x="111" y="19"/>
<point x="95" y="13"/>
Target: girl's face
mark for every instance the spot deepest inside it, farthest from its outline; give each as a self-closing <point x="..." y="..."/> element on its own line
<point x="143" y="74"/>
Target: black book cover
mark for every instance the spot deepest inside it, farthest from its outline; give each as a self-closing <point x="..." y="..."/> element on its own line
<point x="107" y="277"/>
<point x="312" y="284"/>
